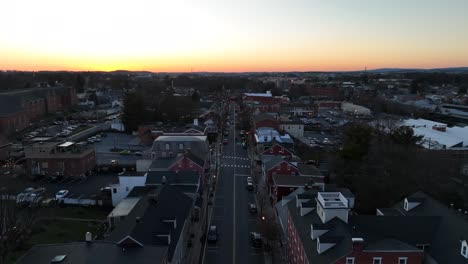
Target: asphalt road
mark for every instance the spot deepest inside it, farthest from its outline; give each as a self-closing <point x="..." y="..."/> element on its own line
<point x="230" y="209"/>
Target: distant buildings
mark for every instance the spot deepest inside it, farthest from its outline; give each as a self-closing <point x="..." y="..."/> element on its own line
<point x="438" y="135"/>
<point x="19" y="108"/>
<point x="59" y="159"/>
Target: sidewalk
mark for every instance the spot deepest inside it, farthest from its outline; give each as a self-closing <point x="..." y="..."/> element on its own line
<point x="278" y="252"/>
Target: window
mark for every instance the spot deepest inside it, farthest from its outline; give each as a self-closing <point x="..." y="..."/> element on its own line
<point x="349" y="260"/>
<point x="289" y="167"/>
<point x="402" y="260"/>
<point x="318" y="246"/>
<point x="114" y="190"/>
<point x="377" y="260"/>
<point x="181" y="146"/>
<point x="45" y="165"/>
<point x="168" y="147"/>
<point x="191" y="164"/>
<point x="127" y="189"/>
<point x="464" y="250"/>
<point x="406" y="205"/>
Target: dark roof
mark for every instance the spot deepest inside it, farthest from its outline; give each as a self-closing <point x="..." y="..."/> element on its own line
<point x="389" y="211"/>
<point x="161" y="164"/>
<point x="139" y="191"/>
<point x="292" y="180"/>
<point x="303" y="224"/>
<point x="173" y="178"/>
<point x="445" y="246"/>
<point x="308" y="169"/>
<point x="412" y="230"/>
<point x="380" y="233"/>
<point x="96" y="252"/>
<point x="164" y="203"/>
<point x="271" y="161"/>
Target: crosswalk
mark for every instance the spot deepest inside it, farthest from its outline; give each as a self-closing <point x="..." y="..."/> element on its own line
<point x="234" y="166"/>
<point x="234" y="157"/>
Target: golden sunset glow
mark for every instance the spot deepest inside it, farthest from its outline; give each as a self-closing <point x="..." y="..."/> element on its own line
<point x="232" y="35"/>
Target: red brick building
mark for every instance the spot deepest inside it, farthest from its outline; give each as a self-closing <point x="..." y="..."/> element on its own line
<point x="62" y="159"/>
<point x="20" y="107"/>
<point x="324" y="91"/>
<point x="320" y="229"/>
<point x="276" y="165"/>
<point x="265" y="120"/>
<point x="190" y="162"/>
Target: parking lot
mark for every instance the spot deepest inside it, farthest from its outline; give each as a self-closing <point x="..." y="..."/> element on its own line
<point x="85" y="187"/>
<point x="110" y="147"/>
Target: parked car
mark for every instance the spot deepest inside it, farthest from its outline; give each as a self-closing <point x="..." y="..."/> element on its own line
<point x="213" y="234"/>
<point x="139" y="153"/>
<point x="125" y="152"/>
<point x="256" y="239"/>
<point x="252" y="208"/>
<point x="61" y="194"/>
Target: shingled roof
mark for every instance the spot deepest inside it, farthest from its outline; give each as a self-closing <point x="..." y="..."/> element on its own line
<point x="152" y="220"/>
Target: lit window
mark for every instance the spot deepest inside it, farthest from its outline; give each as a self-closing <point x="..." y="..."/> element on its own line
<point x="377" y="261"/>
<point x="349" y="260"/>
<point x="402" y="260"/>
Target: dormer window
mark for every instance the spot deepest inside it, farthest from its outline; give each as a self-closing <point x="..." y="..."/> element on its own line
<point x="349" y="260"/>
<point x="406" y="205"/>
<point x="464" y="249"/>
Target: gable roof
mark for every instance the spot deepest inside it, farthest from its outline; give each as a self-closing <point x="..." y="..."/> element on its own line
<point x="165" y="203"/>
<point x="276" y="143"/>
<point x="191" y="156"/>
<point x="271" y="161"/>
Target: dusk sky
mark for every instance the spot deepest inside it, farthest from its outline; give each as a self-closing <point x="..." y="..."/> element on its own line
<point x="237" y="35"/>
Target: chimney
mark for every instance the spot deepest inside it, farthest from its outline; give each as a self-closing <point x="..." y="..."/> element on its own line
<point x="88" y="237"/>
<point x="358" y="243"/>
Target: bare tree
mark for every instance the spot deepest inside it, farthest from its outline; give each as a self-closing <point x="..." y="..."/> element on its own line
<point x="262" y="198"/>
<point x="15" y="225"/>
<point x="269" y="230"/>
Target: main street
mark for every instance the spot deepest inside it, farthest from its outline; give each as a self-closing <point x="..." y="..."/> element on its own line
<point x="230" y="209"/>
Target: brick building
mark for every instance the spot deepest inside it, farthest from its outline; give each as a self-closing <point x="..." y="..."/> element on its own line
<point x="58" y="158"/>
<point x="321" y="230"/>
<point x="18" y="108"/>
<point x="276" y="165"/>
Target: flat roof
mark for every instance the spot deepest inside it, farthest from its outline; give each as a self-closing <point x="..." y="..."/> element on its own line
<point x="124" y="207"/>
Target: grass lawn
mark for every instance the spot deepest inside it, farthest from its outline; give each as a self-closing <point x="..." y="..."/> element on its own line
<point x="75" y="212"/>
<point x="55" y="231"/>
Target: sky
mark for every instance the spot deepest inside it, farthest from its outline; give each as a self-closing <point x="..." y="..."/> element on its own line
<point x="232" y="35"/>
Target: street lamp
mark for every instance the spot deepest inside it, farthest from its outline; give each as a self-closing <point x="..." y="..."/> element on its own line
<point x="263" y="217"/>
